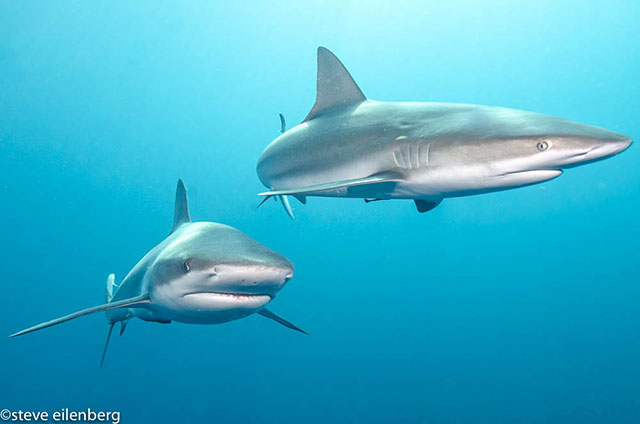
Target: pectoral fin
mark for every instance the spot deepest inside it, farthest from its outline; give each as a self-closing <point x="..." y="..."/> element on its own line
<point x="426" y="205"/>
<point x="267" y="313"/>
<point x="126" y="303"/>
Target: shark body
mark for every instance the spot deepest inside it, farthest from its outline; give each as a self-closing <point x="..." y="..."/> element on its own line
<point x="202" y="273"/>
<point x="350" y="146"/>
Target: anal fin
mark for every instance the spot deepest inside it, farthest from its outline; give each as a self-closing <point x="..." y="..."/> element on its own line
<point x="286" y="205"/>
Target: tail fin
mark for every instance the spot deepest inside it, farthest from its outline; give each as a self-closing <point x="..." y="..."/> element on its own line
<point x="125" y="303"/>
<point x="106" y="343"/>
<point x="111" y="284"/>
<point x="109" y="290"/>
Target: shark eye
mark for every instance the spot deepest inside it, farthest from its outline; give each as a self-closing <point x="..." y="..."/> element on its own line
<point x="186" y="266"/>
<point x="543" y="145"/>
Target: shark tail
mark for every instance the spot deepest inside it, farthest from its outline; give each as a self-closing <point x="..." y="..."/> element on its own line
<point x="110" y="288"/>
<point x="111" y="285"/>
<point x="106" y="343"/>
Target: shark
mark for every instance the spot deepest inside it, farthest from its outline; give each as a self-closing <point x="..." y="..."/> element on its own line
<point x="351" y="147"/>
<point x="202" y="273"/>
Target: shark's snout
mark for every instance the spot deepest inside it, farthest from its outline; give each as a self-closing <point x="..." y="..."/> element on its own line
<point x="252" y="279"/>
<point x="595" y="149"/>
<point x="609" y="148"/>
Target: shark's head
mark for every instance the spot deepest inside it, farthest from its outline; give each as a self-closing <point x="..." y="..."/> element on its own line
<point x="211" y="273"/>
<point x="502" y="148"/>
<point x="565" y="144"/>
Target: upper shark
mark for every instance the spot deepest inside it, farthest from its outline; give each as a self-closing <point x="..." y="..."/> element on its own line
<point x="349" y="146"/>
<point x="202" y="273"/>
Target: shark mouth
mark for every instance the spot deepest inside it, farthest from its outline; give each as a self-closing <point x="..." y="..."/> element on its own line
<point x="240" y="297"/>
<point x="530" y="177"/>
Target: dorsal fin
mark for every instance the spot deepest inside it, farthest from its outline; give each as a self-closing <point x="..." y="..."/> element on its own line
<point x="336" y="87"/>
<point x="181" y="208"/>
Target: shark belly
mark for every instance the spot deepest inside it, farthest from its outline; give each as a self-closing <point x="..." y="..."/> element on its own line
<point x="458" y="181"/>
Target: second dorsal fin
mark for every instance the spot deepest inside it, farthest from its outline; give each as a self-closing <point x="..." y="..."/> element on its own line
<point x="336" y="87"/>
<point x="181" y="208"/>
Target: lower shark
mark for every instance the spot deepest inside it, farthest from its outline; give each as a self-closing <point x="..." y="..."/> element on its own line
<point x="202" y="273"/>
<point x="350" y="146"/>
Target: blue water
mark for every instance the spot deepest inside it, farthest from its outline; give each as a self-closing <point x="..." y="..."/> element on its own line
<point x="513" y="307"/>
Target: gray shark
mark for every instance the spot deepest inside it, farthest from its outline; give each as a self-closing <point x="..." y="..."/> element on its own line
<point x="202" y="273"/>
<point x="349" y="146"/>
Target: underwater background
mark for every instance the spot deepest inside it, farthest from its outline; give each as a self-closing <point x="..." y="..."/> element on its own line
<point x="513" y="307"/>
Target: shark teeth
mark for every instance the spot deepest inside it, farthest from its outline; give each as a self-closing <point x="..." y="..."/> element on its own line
<point x="234" y="296"/>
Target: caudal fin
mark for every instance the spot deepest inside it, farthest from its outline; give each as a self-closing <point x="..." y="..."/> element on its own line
<point x="111" y="285"/>
<point x="106" y="343"/>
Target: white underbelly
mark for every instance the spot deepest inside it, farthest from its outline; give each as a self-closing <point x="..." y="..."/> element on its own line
<point x="456" y="182"/>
